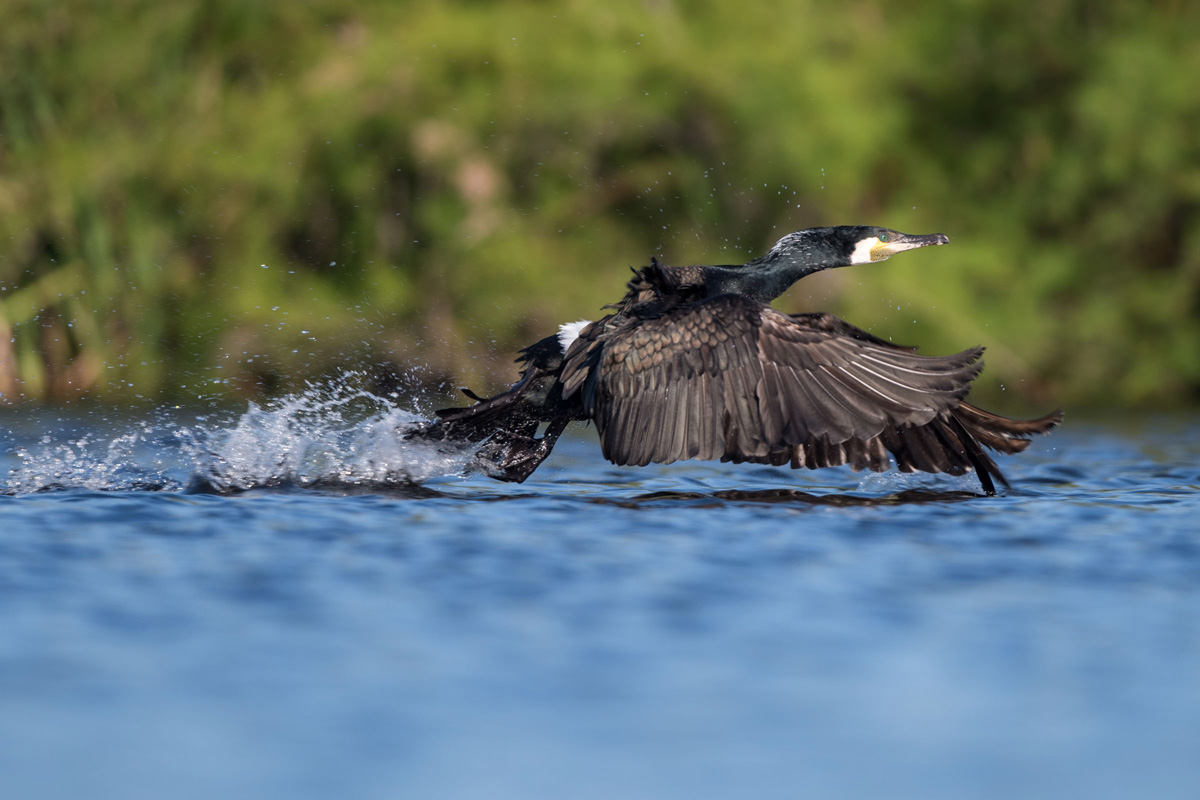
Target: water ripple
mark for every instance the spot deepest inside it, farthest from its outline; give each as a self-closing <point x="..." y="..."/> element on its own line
<point x="286" y="599"/>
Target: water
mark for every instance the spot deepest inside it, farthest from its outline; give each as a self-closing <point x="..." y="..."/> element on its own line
<point x="370" y="622"/>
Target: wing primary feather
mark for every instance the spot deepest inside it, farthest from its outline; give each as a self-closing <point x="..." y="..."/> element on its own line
<point x="730" y="378"/>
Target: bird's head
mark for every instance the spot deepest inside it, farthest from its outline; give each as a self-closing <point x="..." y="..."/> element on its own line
<point x="845" y="245"/>
<point x="808" y="251"/>
<point x="866" y="243"/>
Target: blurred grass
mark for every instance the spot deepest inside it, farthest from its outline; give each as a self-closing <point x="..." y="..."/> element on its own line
<point x="218" y="198"/>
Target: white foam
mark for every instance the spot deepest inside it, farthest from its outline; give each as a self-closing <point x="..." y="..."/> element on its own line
<point x="336" y="432"/>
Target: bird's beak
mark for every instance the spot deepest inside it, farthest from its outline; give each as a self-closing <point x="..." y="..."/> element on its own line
<point x="900" y="242"/>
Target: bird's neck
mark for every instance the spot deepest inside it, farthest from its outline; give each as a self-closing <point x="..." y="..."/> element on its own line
<point x="766" y="278"/>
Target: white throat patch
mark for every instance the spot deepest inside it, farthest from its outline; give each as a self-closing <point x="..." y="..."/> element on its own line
<point x="568" y="332"/>
<point x="862" y="251"/>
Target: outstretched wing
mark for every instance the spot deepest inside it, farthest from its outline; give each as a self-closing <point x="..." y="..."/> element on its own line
<point x="730" y="378"/>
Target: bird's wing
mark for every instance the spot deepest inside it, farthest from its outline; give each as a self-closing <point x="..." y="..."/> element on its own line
<point x="733" y="379"/>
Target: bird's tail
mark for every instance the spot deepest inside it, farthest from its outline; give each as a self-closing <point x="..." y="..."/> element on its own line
<point x="506" y="430"/>
<point x="472" y="424"/>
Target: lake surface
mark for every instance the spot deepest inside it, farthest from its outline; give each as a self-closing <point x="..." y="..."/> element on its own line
<point x="358" y="619"/>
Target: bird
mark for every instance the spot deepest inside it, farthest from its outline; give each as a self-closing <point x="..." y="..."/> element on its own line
<point x="694" y="363"/>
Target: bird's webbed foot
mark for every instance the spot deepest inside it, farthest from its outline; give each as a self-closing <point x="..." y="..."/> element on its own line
<point x="513" y="457"/>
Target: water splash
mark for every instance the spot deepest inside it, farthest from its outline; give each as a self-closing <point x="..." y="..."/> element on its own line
<point x="333" y="433"/>
<point x="895" y="482"/>
<point x="123" y="462"/>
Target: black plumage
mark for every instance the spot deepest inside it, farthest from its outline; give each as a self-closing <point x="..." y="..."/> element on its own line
<point x="693" y="363"/>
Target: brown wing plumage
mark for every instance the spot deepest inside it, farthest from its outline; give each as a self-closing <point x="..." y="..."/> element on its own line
<point x="732" y="379"/>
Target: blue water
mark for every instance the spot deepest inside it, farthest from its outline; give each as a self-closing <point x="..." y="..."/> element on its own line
<point x="370" y="622"/>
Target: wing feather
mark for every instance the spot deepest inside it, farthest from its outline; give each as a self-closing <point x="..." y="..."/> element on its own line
<point x="731" y="378"/>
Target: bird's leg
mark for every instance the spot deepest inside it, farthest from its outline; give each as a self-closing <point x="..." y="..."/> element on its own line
<point x="513" y="457"/>
<point x="984" y="466"/>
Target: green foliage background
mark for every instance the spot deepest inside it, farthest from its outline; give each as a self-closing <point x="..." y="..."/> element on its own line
<point x="225" y="197"/>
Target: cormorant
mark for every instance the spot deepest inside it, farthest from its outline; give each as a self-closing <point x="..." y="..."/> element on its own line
<point x="693" y="363"/>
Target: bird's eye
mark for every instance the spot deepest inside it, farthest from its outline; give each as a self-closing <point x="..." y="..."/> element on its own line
<point x="883" y="237"/>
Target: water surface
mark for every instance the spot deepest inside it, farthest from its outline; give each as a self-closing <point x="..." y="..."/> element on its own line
<point x="356" y="618"/>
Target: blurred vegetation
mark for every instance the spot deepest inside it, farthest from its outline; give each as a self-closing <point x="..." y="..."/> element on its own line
<point x="222" y="198"/>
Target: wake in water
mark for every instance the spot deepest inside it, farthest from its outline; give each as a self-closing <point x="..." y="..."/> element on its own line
<point x="332" y="434"/>
<point x="335" y="435"/>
